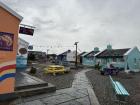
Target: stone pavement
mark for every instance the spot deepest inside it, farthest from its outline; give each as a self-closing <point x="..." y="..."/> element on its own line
<point x="80" y="93"/>
<point x="23" y="79"/>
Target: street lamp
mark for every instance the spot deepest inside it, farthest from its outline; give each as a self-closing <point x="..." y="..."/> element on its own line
<point x="76" y="43"/>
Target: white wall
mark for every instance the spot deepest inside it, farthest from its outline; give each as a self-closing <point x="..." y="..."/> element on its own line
<point x="133" y="60"/>
<point x="71" y="56"/>
<point x="21" y="60"/>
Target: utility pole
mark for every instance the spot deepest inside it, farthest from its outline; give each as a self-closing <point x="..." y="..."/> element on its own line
<point x="47" y="54"/>
<point x="76" y="54"/>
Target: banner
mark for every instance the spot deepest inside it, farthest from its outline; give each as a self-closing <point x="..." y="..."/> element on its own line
<point x="28" y="31"/>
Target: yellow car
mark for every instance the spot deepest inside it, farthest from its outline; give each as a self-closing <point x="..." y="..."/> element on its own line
<point x="54" y="69"/>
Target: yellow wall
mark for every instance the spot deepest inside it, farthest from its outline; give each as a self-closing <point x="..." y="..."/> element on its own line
<point x="9" y="24"/>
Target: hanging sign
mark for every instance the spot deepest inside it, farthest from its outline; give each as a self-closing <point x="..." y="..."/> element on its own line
<point x="28" y="31"/>
<point x="30" y="47"/>
<point x="6" y="41"/>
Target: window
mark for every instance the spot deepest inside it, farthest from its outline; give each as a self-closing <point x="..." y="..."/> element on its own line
<point x="114" y="60"/>
<point x="122" y="59"/>
<point x="107" y="60"/>
<point x="135" y="60"/>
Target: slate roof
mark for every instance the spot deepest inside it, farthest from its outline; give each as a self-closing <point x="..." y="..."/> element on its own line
<point x="91" y="54"/>
<point x="84" y="54"/>
<point x="64" y="53"/>
<point x="81" y="53"/>
<point x="112" y="53"/>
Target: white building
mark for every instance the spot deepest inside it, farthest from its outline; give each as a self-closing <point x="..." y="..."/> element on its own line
<point x="22" y="53"/>
<point x="71" y="56"/>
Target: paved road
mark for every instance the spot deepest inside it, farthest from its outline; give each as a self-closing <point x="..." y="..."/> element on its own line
<point x="80" y="93"/>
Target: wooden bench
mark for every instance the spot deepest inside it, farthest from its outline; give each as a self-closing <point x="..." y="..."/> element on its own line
<point x="119" y="89"/>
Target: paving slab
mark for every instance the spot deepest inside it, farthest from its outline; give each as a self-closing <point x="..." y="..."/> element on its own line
<point x="23" y="79"/>
<point x="84" y="101"/>
<point x="27" y="85"/>
<point x="35" y="102"/>
<point x="71" y="103"/>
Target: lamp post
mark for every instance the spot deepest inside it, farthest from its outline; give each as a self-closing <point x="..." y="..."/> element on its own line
<point x="76" y="43"/>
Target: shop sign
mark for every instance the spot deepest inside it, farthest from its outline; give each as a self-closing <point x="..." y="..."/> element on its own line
<point x="27" y="31"/>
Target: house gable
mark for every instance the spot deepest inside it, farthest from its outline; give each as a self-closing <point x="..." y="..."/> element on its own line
<point x="133" y="59"/>
<point x="91" y="54"/>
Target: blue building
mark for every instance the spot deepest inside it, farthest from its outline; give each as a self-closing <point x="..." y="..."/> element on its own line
<point x="89" y="58"/>
<point x="127" y="58"/>
<point x="80" y="56"/>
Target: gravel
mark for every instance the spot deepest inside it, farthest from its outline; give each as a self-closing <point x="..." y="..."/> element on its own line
<point x="104" y="92"/>
<point x="61" y="81"/>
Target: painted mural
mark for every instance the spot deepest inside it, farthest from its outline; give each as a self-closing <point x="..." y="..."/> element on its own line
<point x="6" y="41"/>
<point x="7" y="68"/>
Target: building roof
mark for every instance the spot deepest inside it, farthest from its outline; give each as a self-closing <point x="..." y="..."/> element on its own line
<point x="112" y="53"/>
<point x="37" y="51"/>
<point x="51" y="55"/>
<point x="91" y="54"/>
<point x="64" y="53"/>
<point x="82" y="53"/>
<point x="11" y="11"/>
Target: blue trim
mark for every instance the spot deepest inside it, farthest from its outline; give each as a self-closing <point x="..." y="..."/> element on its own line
<point x="7" y="76"/>
<point x="21" y="58"/>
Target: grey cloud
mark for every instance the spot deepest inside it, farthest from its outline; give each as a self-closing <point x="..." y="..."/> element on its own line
<point x="91" y="22"/>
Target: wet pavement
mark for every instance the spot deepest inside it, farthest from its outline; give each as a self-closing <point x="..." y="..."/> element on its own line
<point x="80" y="93"/>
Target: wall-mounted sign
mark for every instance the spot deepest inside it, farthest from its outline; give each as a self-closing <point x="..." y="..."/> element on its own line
<point x="6" y="41"/>
<point x="28" y="31"/>
<point x="23" y="51"/>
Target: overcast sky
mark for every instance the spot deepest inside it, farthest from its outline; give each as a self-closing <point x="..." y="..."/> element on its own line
<point x="59" y="23"/>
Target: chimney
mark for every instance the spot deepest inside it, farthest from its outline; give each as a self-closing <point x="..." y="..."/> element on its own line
<point x="109" y="47"/>
<point x="96" y="49"/>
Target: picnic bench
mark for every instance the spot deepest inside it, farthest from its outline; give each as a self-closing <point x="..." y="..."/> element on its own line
<point x="54" y="69"/>
<point x="109" y="71"/>
<point x="119" y="89"/>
